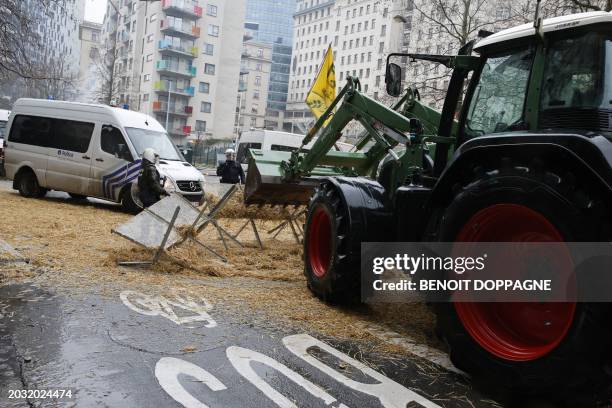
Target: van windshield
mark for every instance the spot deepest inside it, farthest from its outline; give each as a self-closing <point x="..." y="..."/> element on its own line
<point x="144" y="138"/>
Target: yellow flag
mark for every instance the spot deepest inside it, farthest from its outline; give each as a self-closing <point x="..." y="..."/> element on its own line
<point x="323" y="90"/>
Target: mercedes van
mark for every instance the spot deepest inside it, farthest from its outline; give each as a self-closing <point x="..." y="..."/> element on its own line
<point x="90" y="150"/>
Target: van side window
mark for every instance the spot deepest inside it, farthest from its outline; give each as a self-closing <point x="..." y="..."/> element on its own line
<point x="281" y="148"/>
<point x="72" y="135"/>
<point x="112" y="142"/>
<point x="32" y="130"/>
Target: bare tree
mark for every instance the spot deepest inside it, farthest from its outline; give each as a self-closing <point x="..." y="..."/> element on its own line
<point x="443" y="27"/>
<point x="20" y="41"/>
<point x="107" y="91"/>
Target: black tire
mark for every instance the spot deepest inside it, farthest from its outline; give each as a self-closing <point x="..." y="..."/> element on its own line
<point x="332" y="274"/>
<point x="77" y="196"/>
<point x="575" y="371"/>
<point x="28" y="186"/>
<point x="128" y="203"/>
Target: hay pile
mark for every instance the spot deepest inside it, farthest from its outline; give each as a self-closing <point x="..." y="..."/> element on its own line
<point x="235" y="208"/>
<point x="71" y="246"/>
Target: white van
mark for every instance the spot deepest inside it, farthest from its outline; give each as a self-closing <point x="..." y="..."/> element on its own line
<point x="273" y="140"/>
<point x="90" y="150"/>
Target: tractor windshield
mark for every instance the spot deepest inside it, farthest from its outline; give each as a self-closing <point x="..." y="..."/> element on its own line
<point x="499" y="97"/>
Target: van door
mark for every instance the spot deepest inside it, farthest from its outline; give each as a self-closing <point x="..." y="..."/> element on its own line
<point x="113" y="164"/>
<point x="69" y="161"/>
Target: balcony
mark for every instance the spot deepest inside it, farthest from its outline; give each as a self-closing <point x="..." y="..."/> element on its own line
<point x="182" y="8"/>
<point x="176" y="110"/>
<point x="170" y="49"/>
<point x="162" y="87"/>
<point x="172" y="68"/>
<point x="180" y="132"/>
<point x="190" y="31"/>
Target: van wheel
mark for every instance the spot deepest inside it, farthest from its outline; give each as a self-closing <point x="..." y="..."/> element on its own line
<point x="77" y="196"/>
<point x="28" y="185"/>
<point x="129" y="199"/>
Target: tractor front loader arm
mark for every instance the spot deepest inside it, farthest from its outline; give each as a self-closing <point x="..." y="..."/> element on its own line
<point x="288" y="177"/>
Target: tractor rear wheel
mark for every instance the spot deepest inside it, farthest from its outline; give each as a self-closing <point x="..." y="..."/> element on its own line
<point x="332" y="275"/>
<point x="554" y="349"/>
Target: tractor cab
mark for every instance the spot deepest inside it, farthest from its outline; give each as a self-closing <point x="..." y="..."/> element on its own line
<point x="554" y="78"/>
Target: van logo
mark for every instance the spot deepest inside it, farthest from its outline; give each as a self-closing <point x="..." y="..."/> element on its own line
<point x="64" y="153"/>
<point x="192" y="186"/>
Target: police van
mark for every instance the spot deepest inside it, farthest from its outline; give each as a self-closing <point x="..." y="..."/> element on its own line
<point x="90" y="150"/>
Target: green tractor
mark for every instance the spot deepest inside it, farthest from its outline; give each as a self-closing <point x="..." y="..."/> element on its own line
<point x="522" y="151"/>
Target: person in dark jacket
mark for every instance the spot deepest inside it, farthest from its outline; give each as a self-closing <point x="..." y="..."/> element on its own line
<point x="230" y="171"/>
<point x="149" y="185"/>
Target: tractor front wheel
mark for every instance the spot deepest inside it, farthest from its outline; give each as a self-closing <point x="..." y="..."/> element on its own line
<point x="331" y="273"/>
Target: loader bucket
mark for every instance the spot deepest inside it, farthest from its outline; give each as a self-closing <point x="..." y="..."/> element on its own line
<point x="264" y="183"/>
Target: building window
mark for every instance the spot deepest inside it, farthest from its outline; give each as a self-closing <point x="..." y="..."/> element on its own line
<point x="200" y="126"/>
<point x="150" y="38"/>
<point x="204" y="87"/>
<point x="213" y="30"/>
<point x="205" y="107"/>
<point x="259" y="67"/>
<point x="211" y="10"/>
<point x="381" y="48"/>
<point x="153" y="17"/>
<point x="256" y="94"/>
<point x="260" y="52"/>
<point x="149" y="57"/>
<point x="147" y="77"/>
<point x="257" y="81"/>
<point x="209" y="69"/>
<point x="209" y="49"/>
<point x="94" y="37"/>
<point x="145" y="97"/>
<point x="383" y="30"/>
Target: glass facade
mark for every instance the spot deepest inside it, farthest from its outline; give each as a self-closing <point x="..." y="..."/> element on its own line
<point x="271" y="22"/>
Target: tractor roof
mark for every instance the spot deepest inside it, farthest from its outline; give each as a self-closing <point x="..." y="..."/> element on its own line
<point x="549" y="25"/>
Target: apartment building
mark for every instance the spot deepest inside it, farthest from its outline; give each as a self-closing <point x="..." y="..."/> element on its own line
<point x="361" y="32"/>
<point x="255" y="68"/>
<point x="90" y="34"/>
<point x="54" y="51"/>
<point x="57" y="26"/>
<point x="179" y="60"/>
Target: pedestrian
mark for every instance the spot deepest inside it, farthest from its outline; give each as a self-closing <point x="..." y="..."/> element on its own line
<point x="230" y="171"/>
<point x="150" y="189"/>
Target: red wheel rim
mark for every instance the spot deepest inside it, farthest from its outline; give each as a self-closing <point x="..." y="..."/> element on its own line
<point x="319" y="242"/>
<point x="514" y="331"/>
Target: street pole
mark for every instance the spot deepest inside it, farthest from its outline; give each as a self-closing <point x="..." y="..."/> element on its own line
<point x="168" y="108"/>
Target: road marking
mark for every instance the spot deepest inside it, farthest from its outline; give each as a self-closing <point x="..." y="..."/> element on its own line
<point x="241" y="358"/>
<point x="409" y="344"/>
<point x="167" y="371"/>
<point x="389" y="393"/>
<point x="161" y="306"/>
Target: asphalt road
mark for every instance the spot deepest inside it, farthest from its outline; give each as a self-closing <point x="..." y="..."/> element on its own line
<point x="139" y="349"/>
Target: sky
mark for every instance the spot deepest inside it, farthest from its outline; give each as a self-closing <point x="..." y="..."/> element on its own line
<point x="94" y="10"/>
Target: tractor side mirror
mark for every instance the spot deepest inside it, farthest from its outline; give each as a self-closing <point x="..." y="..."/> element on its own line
<point x="393" y="79"/>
